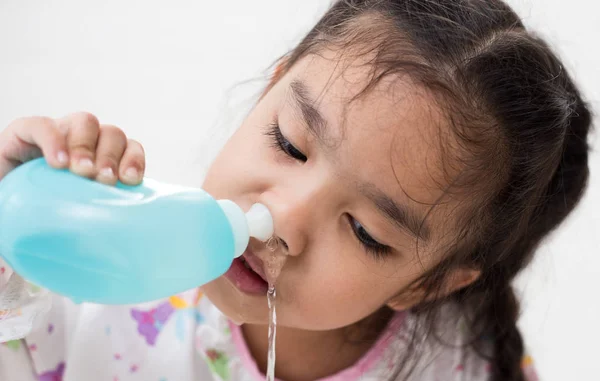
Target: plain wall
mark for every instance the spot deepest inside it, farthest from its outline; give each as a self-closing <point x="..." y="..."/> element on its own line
<point x="163" y="70"/>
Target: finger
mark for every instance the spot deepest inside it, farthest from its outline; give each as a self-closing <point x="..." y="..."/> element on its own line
<point x="109" y="151"/>
<point x="133" y="163"/>
<point x="6" y="166"/>
<point x="16" y="152"/>
<point x="29" y="137"/>
<point x="82" y="136"/>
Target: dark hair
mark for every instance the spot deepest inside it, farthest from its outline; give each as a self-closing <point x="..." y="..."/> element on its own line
<point x="522" y="131"/>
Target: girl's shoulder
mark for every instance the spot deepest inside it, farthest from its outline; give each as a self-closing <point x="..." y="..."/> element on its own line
<point x="445" y="350"/>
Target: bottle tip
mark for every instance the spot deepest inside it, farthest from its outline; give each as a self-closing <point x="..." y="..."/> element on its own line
<point x="260" y="222"/>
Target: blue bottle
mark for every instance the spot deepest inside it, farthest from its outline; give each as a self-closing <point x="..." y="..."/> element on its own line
<point x="118" y="245"/>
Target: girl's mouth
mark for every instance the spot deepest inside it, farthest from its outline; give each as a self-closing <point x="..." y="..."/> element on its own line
<point x="246" y="274"/>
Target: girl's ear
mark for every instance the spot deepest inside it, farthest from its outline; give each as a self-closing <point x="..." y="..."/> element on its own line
<point x="456" y="279"/>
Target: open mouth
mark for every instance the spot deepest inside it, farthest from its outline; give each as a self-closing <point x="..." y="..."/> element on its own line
<point x="247" y="275"/>
<point x="253" y="265"/>
<point x="247" y="265"/>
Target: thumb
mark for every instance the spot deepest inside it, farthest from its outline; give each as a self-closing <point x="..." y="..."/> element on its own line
<point x="29" y="138"/>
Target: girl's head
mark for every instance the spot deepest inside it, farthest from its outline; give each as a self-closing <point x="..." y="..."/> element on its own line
<point x="412" y="153"/>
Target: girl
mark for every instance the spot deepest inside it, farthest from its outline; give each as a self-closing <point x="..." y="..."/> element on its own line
<point x="413" y="154"/>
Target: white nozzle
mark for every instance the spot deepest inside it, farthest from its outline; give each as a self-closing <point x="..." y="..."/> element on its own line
<point x="260" y="222"/>
<point x="257" y="222"/>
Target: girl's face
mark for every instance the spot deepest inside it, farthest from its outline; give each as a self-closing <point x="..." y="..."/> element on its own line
<point x="348" y="185"/>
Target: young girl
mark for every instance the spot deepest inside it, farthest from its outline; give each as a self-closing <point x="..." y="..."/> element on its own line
<point x="413" y="154"/>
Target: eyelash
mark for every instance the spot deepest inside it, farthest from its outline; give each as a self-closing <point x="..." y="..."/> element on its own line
<point x="281" y="143"/>
<point x="370" y="245"/>
<point x="376" y="249"/>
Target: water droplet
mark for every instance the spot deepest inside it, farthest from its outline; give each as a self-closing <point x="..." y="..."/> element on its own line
<point x="272" y="244"/>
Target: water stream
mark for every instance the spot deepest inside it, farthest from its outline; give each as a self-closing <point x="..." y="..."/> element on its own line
<point x="274" y="265"/>
<point x="271" y="298"/>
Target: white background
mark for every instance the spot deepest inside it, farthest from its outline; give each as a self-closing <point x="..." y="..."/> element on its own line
<point x="163" y="70"/>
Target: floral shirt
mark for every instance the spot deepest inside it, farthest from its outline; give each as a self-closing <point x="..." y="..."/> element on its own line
<point x="182" y="338"/>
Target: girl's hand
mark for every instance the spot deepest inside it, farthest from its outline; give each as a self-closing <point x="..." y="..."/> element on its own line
<point x="78" y="142"/>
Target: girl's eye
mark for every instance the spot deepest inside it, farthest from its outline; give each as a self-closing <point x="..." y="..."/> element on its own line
<point x="378" y="250"/>
<point x="281" y="143"/>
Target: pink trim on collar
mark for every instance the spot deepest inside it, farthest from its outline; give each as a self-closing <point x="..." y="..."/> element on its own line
<point x="352" y="373"/>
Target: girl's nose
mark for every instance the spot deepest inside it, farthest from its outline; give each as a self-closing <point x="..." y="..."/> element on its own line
<point x="296" y="212"/>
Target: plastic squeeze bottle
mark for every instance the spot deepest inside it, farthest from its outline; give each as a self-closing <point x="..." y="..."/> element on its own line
<point x="118" y="244"/>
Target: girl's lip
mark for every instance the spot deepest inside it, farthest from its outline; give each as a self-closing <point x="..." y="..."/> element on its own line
<point x="246" y="280"/>
<point x="255" y="263"/>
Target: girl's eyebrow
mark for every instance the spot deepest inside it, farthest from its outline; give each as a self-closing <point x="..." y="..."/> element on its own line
<point x="311" y="116"/>
<point x="400" y="215"/>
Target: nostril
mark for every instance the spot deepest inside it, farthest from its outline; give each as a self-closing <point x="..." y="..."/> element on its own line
<point x="284" y="244"/>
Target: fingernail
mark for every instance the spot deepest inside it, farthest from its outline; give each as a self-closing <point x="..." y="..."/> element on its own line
<point x="107" y="173"/>
<point x="62" y="157"/>
<point x="85" y="163"/>
<point x="131" y="174"/>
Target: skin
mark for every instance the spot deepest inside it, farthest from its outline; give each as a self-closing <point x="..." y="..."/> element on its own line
<point x="384" y="141"/>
